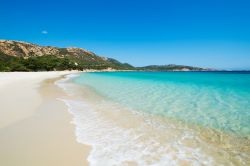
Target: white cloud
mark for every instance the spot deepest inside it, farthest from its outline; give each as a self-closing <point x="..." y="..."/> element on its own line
<point x="44" y="32"/>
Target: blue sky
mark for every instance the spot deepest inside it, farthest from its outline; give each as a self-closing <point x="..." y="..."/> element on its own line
<point x="206" y="33"/>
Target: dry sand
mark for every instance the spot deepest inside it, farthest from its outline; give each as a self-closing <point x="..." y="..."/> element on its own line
<point x="35" y="128"/>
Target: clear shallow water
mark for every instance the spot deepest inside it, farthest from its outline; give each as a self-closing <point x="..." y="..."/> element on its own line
<point x="174" y="118"/>
<point x="218" y="100"/>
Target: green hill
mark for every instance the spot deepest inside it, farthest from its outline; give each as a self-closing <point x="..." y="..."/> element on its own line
<point x="22" y="56"/>
<point x="172" y="67"/>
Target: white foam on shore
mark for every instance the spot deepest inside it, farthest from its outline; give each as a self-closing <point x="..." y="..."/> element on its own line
<point x="114" y="145"/>
<point x="148" y="142"/>
<point x="61" y="83"/>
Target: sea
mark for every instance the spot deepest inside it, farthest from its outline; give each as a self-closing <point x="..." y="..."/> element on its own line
<point x="161" y="118"/>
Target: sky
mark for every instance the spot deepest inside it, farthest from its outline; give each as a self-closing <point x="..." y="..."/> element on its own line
<point x="204" y="33"/>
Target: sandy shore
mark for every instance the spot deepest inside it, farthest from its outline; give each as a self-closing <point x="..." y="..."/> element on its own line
<point x="35" y="128"/>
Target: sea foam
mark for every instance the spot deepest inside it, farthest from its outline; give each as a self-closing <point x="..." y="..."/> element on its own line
<point x="122" y="136"/>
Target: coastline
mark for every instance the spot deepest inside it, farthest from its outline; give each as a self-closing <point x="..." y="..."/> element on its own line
<point x="62" y="123"/>
<point x="35" y="126"/>
<point x="100" y="123"/>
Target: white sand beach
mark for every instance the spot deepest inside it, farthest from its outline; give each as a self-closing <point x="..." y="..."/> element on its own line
<point x="35" y="127"/>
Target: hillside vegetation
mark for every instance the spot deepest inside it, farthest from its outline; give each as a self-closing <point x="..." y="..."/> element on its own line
<point x="22" y="56"/>
<point x="172" y="67"/>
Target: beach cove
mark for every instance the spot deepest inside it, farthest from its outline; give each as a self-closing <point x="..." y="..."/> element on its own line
<point x="90" y="118"/>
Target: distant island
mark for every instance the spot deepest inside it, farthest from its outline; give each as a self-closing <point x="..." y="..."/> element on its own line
<point x="24" y="56"/>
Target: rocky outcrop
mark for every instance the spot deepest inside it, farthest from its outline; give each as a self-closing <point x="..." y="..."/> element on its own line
<point x="24" y="49"/>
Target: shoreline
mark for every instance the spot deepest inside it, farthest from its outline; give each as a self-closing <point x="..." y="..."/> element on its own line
<point x="98" y="123"/>
<point x="37" y="128"/>
<point x="72" y="125"/>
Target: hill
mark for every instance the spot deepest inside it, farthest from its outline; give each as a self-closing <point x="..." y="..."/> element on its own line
<point x="173" y="67"/>
<point x="23" y="56"/>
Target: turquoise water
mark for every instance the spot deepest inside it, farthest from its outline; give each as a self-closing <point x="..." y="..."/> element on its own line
<point x="218" y="100"/>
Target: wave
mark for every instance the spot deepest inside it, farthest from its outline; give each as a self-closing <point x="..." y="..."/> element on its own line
<point x="121" y="136"/>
